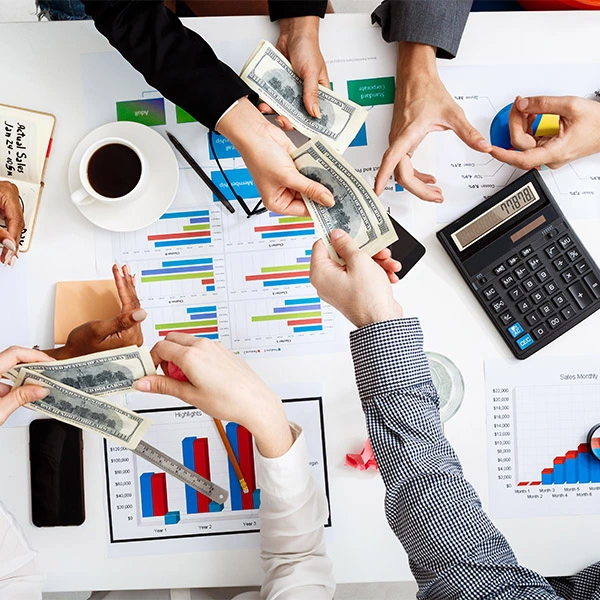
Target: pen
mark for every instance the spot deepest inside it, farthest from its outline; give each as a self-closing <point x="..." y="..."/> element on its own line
<point x="207" y="180"/>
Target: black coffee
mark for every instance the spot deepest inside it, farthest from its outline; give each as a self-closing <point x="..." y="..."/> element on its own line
<point x="114" y="170"/>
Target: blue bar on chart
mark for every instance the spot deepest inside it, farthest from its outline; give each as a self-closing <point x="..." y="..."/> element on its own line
<point x="293" y="274"/>
<point x="191" y="496"/>
<point x="303" y="315"/>
<point x="243" y="448"/>
<point x="180" y="270"/>
<point x="195" y="229"/>
<point x="146" y="494"/>
<point x="172" y="517"/>
<point x="285" y="227"/>
<point x="576" y="466"/>
<point x="203" y="323"/>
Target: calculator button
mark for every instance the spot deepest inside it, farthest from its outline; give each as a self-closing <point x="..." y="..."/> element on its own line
<point x="533" y="318"/>
<point x="526" y="251"/>
<point x="525" y="341"/>
<point x="490" y="293"/>
<point x="498" y="305"/>
<point x="552" y="251"/>
<point x="551" y="288"/>
<point x="546" y="309"/>
<point x="529" y="284"/>
<point x="539" y="331"/>
<point x="515" y="293"/>
<point x="565" y="241"/>
<point x="524" y="306"/>
<point x="507" y="318"/>
<point x="513" y="260"/>
<point x="568" y="275"/>
<point x="499" y="269"/>
<point x="582" y="266"/>
<point x="542" y="275"/>
<point x="515" y="329"/>
<point x="560" y="263"/>
<point x="554" y="321"/>
<point x="482" y="280"/>
<point x="580" y="294"/>
<point x="593" y="284"/>
<point x="534" y="263"/>
<point x="574" y="254"/>
<point x="508" y="280"/>
<point x="521" y="271"/>
<point x="537" y="297"/>
<point x="559" y="300"/>
<point x="567" y="313"/>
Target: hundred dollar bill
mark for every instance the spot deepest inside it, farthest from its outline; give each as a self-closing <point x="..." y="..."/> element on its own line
<point x="86" y="411"/>
<point x="357" y="209"/>
<point x="109" y="372"/>
<point x="271" y="76"/>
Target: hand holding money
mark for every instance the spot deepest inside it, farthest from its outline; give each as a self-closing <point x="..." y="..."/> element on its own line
<point x="357" y="209"/>
<point x="271" y="76"/>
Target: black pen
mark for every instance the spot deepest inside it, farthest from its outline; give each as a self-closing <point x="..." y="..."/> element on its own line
<point x="207" y="180"/>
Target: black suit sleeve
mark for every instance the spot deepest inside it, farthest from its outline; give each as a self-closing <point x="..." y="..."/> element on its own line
<point x="438" y="23"/>
<point x="171" y="57"/>
<point x="285" y="9"/>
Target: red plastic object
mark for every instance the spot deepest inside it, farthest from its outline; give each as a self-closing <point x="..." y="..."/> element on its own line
<point x="363" y="461"/>
<point x="175" y="372"/>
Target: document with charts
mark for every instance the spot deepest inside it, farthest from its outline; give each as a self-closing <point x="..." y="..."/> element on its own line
<point x="539" y="413"/>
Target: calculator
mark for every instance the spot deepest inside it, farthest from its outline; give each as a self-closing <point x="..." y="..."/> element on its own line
<point x="521" y="259"/>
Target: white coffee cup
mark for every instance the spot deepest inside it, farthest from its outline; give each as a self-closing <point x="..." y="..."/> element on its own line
<point x="86" y="194"/>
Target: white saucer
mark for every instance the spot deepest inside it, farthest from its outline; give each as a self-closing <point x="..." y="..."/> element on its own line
<point x="162" y="185"/>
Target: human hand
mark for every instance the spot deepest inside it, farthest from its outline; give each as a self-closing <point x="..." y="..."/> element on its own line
<point x="299" y="43"/>
<point x="122" y="330"/>
<point x="578" y="136"/>
<point x="222" y="385"/>
<point x="360" y="290"/>
<point x="266" y="152"/>
<point x="12" y="214"/>
<point x="11" y="399"/>
<point x="422" y="104"/>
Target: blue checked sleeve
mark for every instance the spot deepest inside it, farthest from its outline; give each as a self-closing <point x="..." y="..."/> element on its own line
<point x="454" y="550"/>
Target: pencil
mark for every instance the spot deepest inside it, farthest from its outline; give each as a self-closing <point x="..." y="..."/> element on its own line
<point x="196" y="167"/>
<point x="235" y="464"/>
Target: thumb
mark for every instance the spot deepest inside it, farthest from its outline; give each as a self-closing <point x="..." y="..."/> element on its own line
<point x="469" y="134"/>
<point x="19" y="397"/>
<point x="345" y="246"/>
<point x="554" y="105"/>
<point x="166" y="386"/>
<point x="122" y="322"/>
<point x="311" y="94"/>
<point x="313" y="189"/>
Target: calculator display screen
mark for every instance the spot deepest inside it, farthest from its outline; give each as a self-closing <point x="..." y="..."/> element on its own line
<point x="495" y="216"/>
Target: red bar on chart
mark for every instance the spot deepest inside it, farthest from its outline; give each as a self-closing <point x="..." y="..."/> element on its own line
<point x="160" y="502"/>
<point x="522" y="483"/>
<point x="202" y="467"/>
<point x="246" y="460"/>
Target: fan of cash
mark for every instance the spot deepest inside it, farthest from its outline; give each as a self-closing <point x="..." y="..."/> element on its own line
<point x="357" y="209"/>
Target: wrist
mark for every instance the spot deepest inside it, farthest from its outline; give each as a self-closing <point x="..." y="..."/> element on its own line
<point x="242" y="124"/>
<point x="302" y="26"/>
<point x="272" y="434"/>
<point x="379" y="314"/>
<point x="416" y="63"/>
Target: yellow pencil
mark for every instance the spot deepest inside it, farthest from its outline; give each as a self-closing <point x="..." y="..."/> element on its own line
<point x="231" y="454"/>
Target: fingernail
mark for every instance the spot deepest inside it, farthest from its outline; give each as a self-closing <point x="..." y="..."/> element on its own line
<point x="139" y="315"/>
<point x="12" y="261"/>
<point x="316" y="110"/>
<point x="336" y="234"/>
<point x="522" y="103"/>
<point x="142" y="386"/>
<point x="327" y="200"/>
<point x="279" y="123"/>
<point x="9" y="244"/>
<point x="484" y="145"/>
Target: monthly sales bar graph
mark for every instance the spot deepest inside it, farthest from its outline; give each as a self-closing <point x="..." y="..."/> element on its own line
<point x="153" y="493"/>
<point x="291" y="274"/>
<point x="281" y="226"/>
<point x="195" y="230"/>
<point x="243" y="448"/>
<point x="179" y="270"/>
<point x="202" y="323"/>
<point x="576" y="466"/>
<point x="302" y="315"/>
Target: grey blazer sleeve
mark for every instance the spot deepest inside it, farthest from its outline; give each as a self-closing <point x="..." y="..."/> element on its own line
<point x="438" y="23"/>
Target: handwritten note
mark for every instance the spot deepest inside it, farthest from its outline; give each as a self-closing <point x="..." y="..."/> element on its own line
<point x="18" y="138"/>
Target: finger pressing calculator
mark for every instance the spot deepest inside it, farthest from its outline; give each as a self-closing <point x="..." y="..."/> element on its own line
<point x="529" y="271"/>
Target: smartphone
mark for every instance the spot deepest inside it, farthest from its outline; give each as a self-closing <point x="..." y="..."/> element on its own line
<point x="56" y="466"/>
<point x="406" y="249"/>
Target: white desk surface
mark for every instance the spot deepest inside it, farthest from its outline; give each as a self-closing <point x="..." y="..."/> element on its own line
<point x="41" y="69"/>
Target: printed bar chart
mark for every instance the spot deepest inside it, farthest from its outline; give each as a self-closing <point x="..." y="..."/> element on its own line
<point x="286" y="227"/>
<point x="293" y="274"/>
<point x="301" y="314"/>
<point x="197" y="230"/>
<point x="177" y="270"/>
<point x="203" y="322"/>
<point x="241" y="443"/>
<point x="576" y="466"/>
